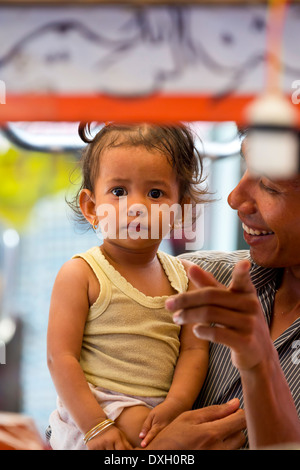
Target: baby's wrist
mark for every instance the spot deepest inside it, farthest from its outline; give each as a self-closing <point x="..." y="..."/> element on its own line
<point x="176" y="403"/>
<point x="90" y="423"/>
<point x="97" y="430"/>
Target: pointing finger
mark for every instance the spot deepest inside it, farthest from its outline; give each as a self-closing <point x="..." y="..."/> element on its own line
<point x="241" y="281"/>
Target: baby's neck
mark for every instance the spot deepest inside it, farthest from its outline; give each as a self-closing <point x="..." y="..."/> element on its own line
<point x="142" y="269"/>
<point x="122" y="256"/>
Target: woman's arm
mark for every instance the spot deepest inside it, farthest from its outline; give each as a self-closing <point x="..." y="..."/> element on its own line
<point x="271" y="418"/>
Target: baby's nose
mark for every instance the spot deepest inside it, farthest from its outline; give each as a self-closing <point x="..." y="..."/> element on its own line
<point x="136" y="210"/>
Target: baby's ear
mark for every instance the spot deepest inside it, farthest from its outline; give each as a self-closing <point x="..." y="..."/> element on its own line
<point x="87" y="205"/>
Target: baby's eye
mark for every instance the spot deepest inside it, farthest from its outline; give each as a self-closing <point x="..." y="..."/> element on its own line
<point x="155" y="193"/>
<point x="119" y="192"/>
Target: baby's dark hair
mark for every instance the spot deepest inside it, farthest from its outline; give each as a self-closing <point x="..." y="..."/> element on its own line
<point x="176" y="142"/>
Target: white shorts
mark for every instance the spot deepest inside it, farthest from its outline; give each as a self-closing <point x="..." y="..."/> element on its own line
<point x="65" y="435"/>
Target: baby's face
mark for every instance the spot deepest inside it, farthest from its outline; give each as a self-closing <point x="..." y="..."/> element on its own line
<point x="134" y="192"/>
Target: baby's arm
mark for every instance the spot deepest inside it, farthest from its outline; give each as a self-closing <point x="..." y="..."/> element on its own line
<point x="189" y="375"/>
<point x="68" y="312"/>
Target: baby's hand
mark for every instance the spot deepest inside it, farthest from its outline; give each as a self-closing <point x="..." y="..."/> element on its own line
<point x="111" y="439"/>
<point x="157" y="419"/>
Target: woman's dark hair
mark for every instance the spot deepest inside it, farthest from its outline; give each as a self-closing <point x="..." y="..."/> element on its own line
<point x="176" y="142"/>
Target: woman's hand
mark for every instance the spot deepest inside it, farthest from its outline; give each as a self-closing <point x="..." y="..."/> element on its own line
<point x="217" y="427"/>
<point x="232" y="316"/>
<point x="158" y="418"/>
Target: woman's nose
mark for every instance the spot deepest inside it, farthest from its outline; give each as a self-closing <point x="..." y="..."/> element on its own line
<point x="241" y="197"/>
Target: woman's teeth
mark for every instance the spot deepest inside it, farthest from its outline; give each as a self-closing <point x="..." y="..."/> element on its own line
<point x="255" y="232"/>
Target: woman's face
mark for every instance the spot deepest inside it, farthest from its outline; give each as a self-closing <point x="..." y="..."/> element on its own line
<point x="270" y="213"/>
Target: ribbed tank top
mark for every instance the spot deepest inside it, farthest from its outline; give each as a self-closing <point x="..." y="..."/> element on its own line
<point x="130" y="342"/>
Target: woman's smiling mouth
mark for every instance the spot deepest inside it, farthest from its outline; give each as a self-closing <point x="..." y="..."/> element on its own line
<point x="252" y="231"/>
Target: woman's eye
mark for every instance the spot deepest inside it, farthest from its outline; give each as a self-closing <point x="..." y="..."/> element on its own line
<point x="268" y="188"/>
<point x="155" y="193"/>
<point x="119" y="192"/>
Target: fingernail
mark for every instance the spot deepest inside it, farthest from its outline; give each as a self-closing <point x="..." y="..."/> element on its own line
<point x="233" y="400"/>
<point x="177" y="318"/>
<point x="196" y="333"/>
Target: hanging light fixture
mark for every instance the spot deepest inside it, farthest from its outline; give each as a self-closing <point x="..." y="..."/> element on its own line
<point x="272" y="127"/>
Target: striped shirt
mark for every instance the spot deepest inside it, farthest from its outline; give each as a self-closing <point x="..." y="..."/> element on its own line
<point x="223" y="381"/>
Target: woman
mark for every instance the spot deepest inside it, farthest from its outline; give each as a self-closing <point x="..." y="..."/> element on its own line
<point x="250" y="358"/>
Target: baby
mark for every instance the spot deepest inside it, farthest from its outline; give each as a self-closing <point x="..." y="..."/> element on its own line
<point x="122" y="368"/>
